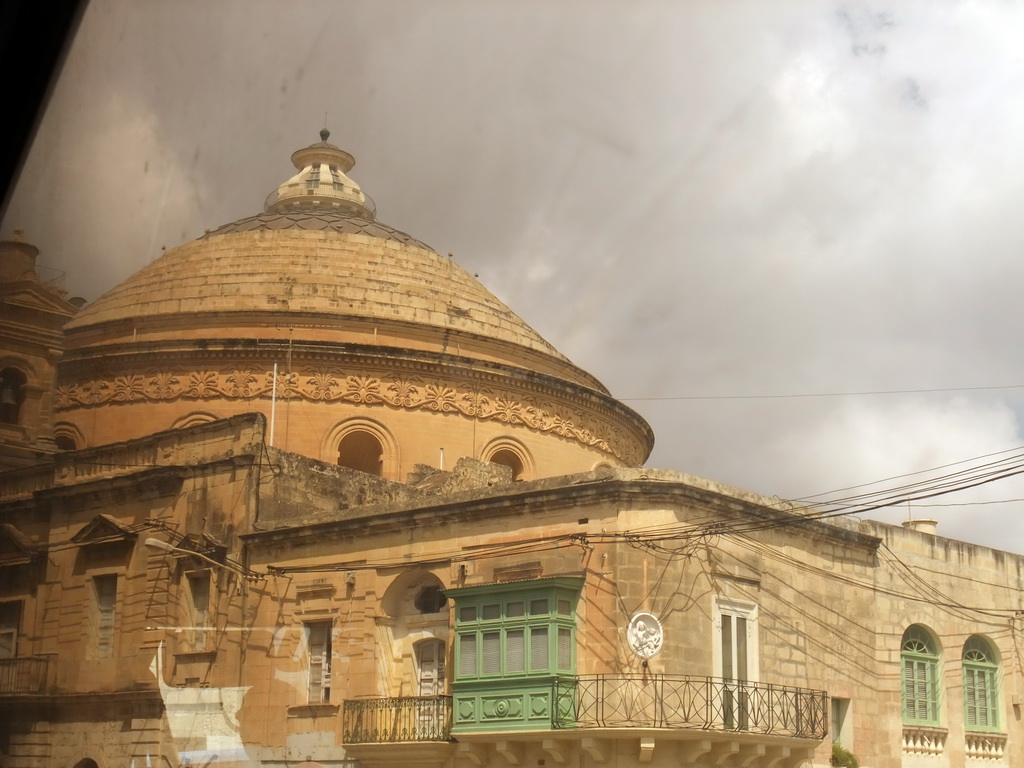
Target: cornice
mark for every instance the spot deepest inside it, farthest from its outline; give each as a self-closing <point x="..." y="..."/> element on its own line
<point x="573" y="492"/>
<point x="243" y="328"/>
<point x="360" y="375"/>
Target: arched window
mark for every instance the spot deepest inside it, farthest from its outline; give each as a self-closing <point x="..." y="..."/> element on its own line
<point x="919" y="657"/>
<point x="509" y="459"/>
<point x="512" y="454"/>
<point x="981" y="693"/>
<point x="364" y="445"/>
<point x="430" y="599"/>
<point x="65" y="443"/>
<point x="12" y="395"/>
<point x="361" y="450"/>
<point x="67" y="437"/>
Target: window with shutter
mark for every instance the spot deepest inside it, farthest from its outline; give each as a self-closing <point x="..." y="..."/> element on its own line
<point x="981" y="696"/>
<point x="513" y="627"/>
<point x="467" y="656"/>
<point x="515" y="651"/>
<point x="492" y="654"/>
<point x="920" y="659"/>
<point x="564" y="649"/>
<point x="539" y="649"/>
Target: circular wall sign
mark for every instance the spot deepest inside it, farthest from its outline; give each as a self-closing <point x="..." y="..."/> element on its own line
<point x="645" y="635"/>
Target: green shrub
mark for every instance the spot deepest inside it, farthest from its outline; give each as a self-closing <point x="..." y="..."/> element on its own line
<point x="843" y="758"/>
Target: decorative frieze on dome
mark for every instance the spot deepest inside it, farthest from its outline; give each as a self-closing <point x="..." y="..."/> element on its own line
<point x="532" y="410"/>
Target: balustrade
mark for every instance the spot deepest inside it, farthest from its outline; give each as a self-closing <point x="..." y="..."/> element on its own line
<point x="386" y="720"/>
<point x="26" y="674"/>
<point x="676" y="701"/>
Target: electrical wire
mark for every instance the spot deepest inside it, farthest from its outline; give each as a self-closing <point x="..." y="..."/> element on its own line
<point x="794" y="396"/>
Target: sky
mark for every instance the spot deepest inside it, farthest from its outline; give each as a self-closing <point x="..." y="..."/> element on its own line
<point x="748" y="219"/>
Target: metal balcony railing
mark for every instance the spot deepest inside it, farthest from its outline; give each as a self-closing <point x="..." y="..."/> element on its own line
<point x="26" y="674"/>
<point x="677" y="701"/>
<point x="384" y="721"/>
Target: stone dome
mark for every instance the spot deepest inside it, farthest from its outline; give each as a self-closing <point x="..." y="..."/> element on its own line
<point x="318" y="290"/>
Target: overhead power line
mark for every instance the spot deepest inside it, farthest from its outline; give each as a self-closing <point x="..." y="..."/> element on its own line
<point x="819" y="394"/>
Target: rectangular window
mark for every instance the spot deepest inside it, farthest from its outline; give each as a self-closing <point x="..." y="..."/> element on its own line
<point x="564" y="649"/>
<point x="509" y="629"/>
<point x="318" y="643"/>
<point x="735" y="659"/>
<point x="920" y="694"/>
<point x="199" y="600"/>
<point x="515" y="651"/>
<point x="980" y="698"/>
<point x="492" y="654"/>
<point x="538" y="649"/>
<point x="841" y="728"/>
<point x="105" y="596"/>
<point x="10" y="620"/>
<point x="467" y="656"/>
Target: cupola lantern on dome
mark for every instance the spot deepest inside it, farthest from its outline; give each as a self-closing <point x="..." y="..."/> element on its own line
<point x="321" y="183"/>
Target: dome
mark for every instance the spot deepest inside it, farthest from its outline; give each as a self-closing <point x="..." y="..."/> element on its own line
<point x="318" y="290"/>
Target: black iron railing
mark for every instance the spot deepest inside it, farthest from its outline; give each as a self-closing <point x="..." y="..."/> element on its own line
<point x="26" y="674"/>
<point x="410" y="718"/>
<point x="678" y="701"/>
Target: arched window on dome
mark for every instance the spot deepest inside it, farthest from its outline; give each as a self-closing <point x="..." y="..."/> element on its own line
<point x="981" y="685"/>
<point x="509" y="459"/>
<point x="512" y="454"/>
<point x="361" y="450"/>
<point x="65" y="443"/>
<point x="67" y="437"/>
<point x="12" y="395"/>
<point x="919" y="658"/>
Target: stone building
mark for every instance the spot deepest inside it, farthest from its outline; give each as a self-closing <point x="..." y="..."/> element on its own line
<point x="33" y="310"/>
<point x="316" y="496"/>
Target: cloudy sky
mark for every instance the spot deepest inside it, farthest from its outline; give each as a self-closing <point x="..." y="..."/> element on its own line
<point x="736" y="214"/>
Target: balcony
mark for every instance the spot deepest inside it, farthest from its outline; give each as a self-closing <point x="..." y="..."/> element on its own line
<point x="407" y="719"/>
<point x="691" y="717"/>
<point x="411" y="730"/>
<point x="24" y="675"/>
<point x="680" y="701"/>
<point x="611" y="702"/>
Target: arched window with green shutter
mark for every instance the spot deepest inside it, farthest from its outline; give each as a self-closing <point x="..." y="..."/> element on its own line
<point x="919" y="658"/>
<point x="981" y="685"/>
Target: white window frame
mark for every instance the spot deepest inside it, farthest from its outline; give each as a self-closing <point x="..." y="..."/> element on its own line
<point x="742" y="609"/>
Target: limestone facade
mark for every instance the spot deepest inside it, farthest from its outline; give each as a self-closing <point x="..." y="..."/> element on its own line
<point x="33" y="310"/>
<point x="293" y="616"/>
